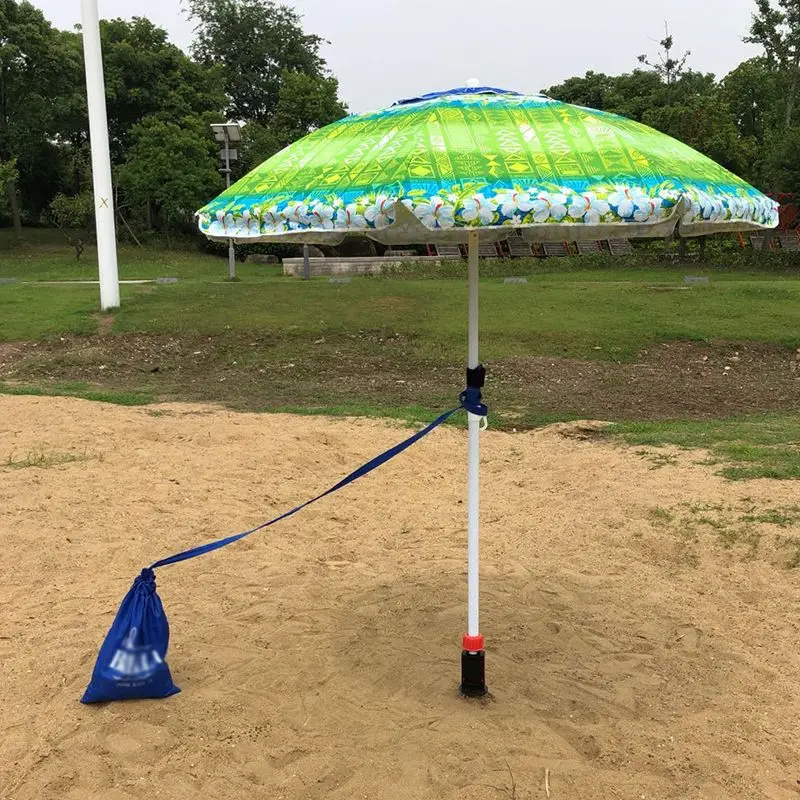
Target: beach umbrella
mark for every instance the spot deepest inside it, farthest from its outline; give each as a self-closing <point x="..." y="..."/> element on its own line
<point x="479" y="162"/>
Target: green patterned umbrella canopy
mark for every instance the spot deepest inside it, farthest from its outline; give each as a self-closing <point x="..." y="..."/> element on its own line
<point x="435" y="167"/>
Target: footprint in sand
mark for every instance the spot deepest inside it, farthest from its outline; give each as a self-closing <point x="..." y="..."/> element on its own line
<point x="686" y="637"/>
<point x="137" y="743"/>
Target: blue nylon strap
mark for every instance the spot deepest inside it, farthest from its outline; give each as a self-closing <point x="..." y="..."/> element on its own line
<point x="353" y="476"/>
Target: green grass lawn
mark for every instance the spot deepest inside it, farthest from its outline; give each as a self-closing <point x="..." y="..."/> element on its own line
<point x="45" y="256"/>
<point x="396" y="329"/>
<point x="757" y="447"/>
<point x="562" y="313"/>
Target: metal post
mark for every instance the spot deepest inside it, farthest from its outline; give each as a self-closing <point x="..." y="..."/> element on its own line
<point x="473" y="656"/>
<point x="101" y="157"/>
<point x="231" y="251"/>
<point x="306" y="264"/>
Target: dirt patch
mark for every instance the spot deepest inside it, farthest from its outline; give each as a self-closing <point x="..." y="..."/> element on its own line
<point x="670" y="381"/>
<point x="320" y="659"/>
<point x="681" y="380"/>
<point x="105" y="323"/>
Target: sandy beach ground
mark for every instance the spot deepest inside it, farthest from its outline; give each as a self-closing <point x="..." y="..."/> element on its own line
<point x="642" y="622"/>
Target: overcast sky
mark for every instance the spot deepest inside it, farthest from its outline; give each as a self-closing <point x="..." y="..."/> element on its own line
<point x="387" y="50"/>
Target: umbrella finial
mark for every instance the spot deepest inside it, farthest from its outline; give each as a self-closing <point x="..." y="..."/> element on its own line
<point x="472" y="83"/>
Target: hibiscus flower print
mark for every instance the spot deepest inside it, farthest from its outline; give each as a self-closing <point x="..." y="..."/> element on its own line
<point x="296" y="216"/>
<point x="246" y="225"/>
<point x="624" y="200"/>
<point x="550" y="206"/>
<point x="588" y="207"/>
<point x="479" y="209"/>
<point x="648" y="209"/>
<point x="514" y="202"/>
<point x="349" y="218"/>
<point x="381" y="213"/>
<point x="273" y="220"/>
<point x="322" y="216"/>
<point x="436" y="213"/>
<point x="713" y="208"/>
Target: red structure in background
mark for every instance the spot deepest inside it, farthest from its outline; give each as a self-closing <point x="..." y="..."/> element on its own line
<point x="790" y="211"/>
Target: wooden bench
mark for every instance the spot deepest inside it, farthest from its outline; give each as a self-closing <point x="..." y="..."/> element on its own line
<point x="487" y="250"/>
<point x="589" y="248"/>
<point x="555" y="249"/>
<point x="518" y="247"/>
<point x="445" y="250"/>
<point x="620" y="247"/>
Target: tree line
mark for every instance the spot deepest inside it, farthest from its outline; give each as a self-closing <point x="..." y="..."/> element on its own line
<point x="252" y="61"/>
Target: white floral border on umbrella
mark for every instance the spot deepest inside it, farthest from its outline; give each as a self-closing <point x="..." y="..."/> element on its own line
<point x="514" y="207"/>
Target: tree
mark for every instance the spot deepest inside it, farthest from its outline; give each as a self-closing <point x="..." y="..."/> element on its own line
<point x="669" y="97"/>
<point x="304" y="104"/>
<point x="593" y="90"/>
<point x="75" y="216"/>
<point x="633" y="94"/>
<point x="777" y="30"/>
<point x="171" y="165"/>
<point x="9" y="175"/>
<point x="754" y="96"/>
<point x="629" y="95"/>
<point x="145" y="75"/>
<point x="667" y="66"/>
<point x="8" y="172"/>
<point x="37" y="69"/>
<point x="783" y="161"/>
<point x="753" y="93"/>
<point x="706" y="124"/>
<point x="256" y="43"/>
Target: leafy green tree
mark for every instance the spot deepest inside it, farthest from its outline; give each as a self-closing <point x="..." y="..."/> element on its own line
<point x="753" y="93"/>
<point x="593" y="90"/>
<point x="776" y="27"/>
<point x="37" y="70"/>
<point x="633" y="94"/>
<point x="171" y="166"/>
<point x="680" y="102"/>
<point x="706" y="124"/>
<point x="256" y="43"/>
<point x="146" y="78"/>
<point x="783" y="161"/>
<point x="9" y="175"/>
<point x="146" y="75"/>
<point x="74" y="215"/>
<point x="668" y="66"/>
<point x="8" y="172"/>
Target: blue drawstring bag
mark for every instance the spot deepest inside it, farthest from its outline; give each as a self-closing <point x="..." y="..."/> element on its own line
<point x="132" y="663"/>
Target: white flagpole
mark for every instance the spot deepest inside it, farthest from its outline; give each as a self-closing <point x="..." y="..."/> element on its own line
<point x="101" y="157"/>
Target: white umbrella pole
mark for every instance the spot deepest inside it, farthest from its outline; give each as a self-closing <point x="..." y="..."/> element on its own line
<point x="473" y="488"/>
<point x="101" y="160"/>
<point x="473" y="681"/>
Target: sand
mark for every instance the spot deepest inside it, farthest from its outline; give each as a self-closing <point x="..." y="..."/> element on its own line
<point x="628" y="656"/>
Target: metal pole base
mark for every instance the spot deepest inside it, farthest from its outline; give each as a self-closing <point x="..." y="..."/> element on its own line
<point x="473" y="673"/>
